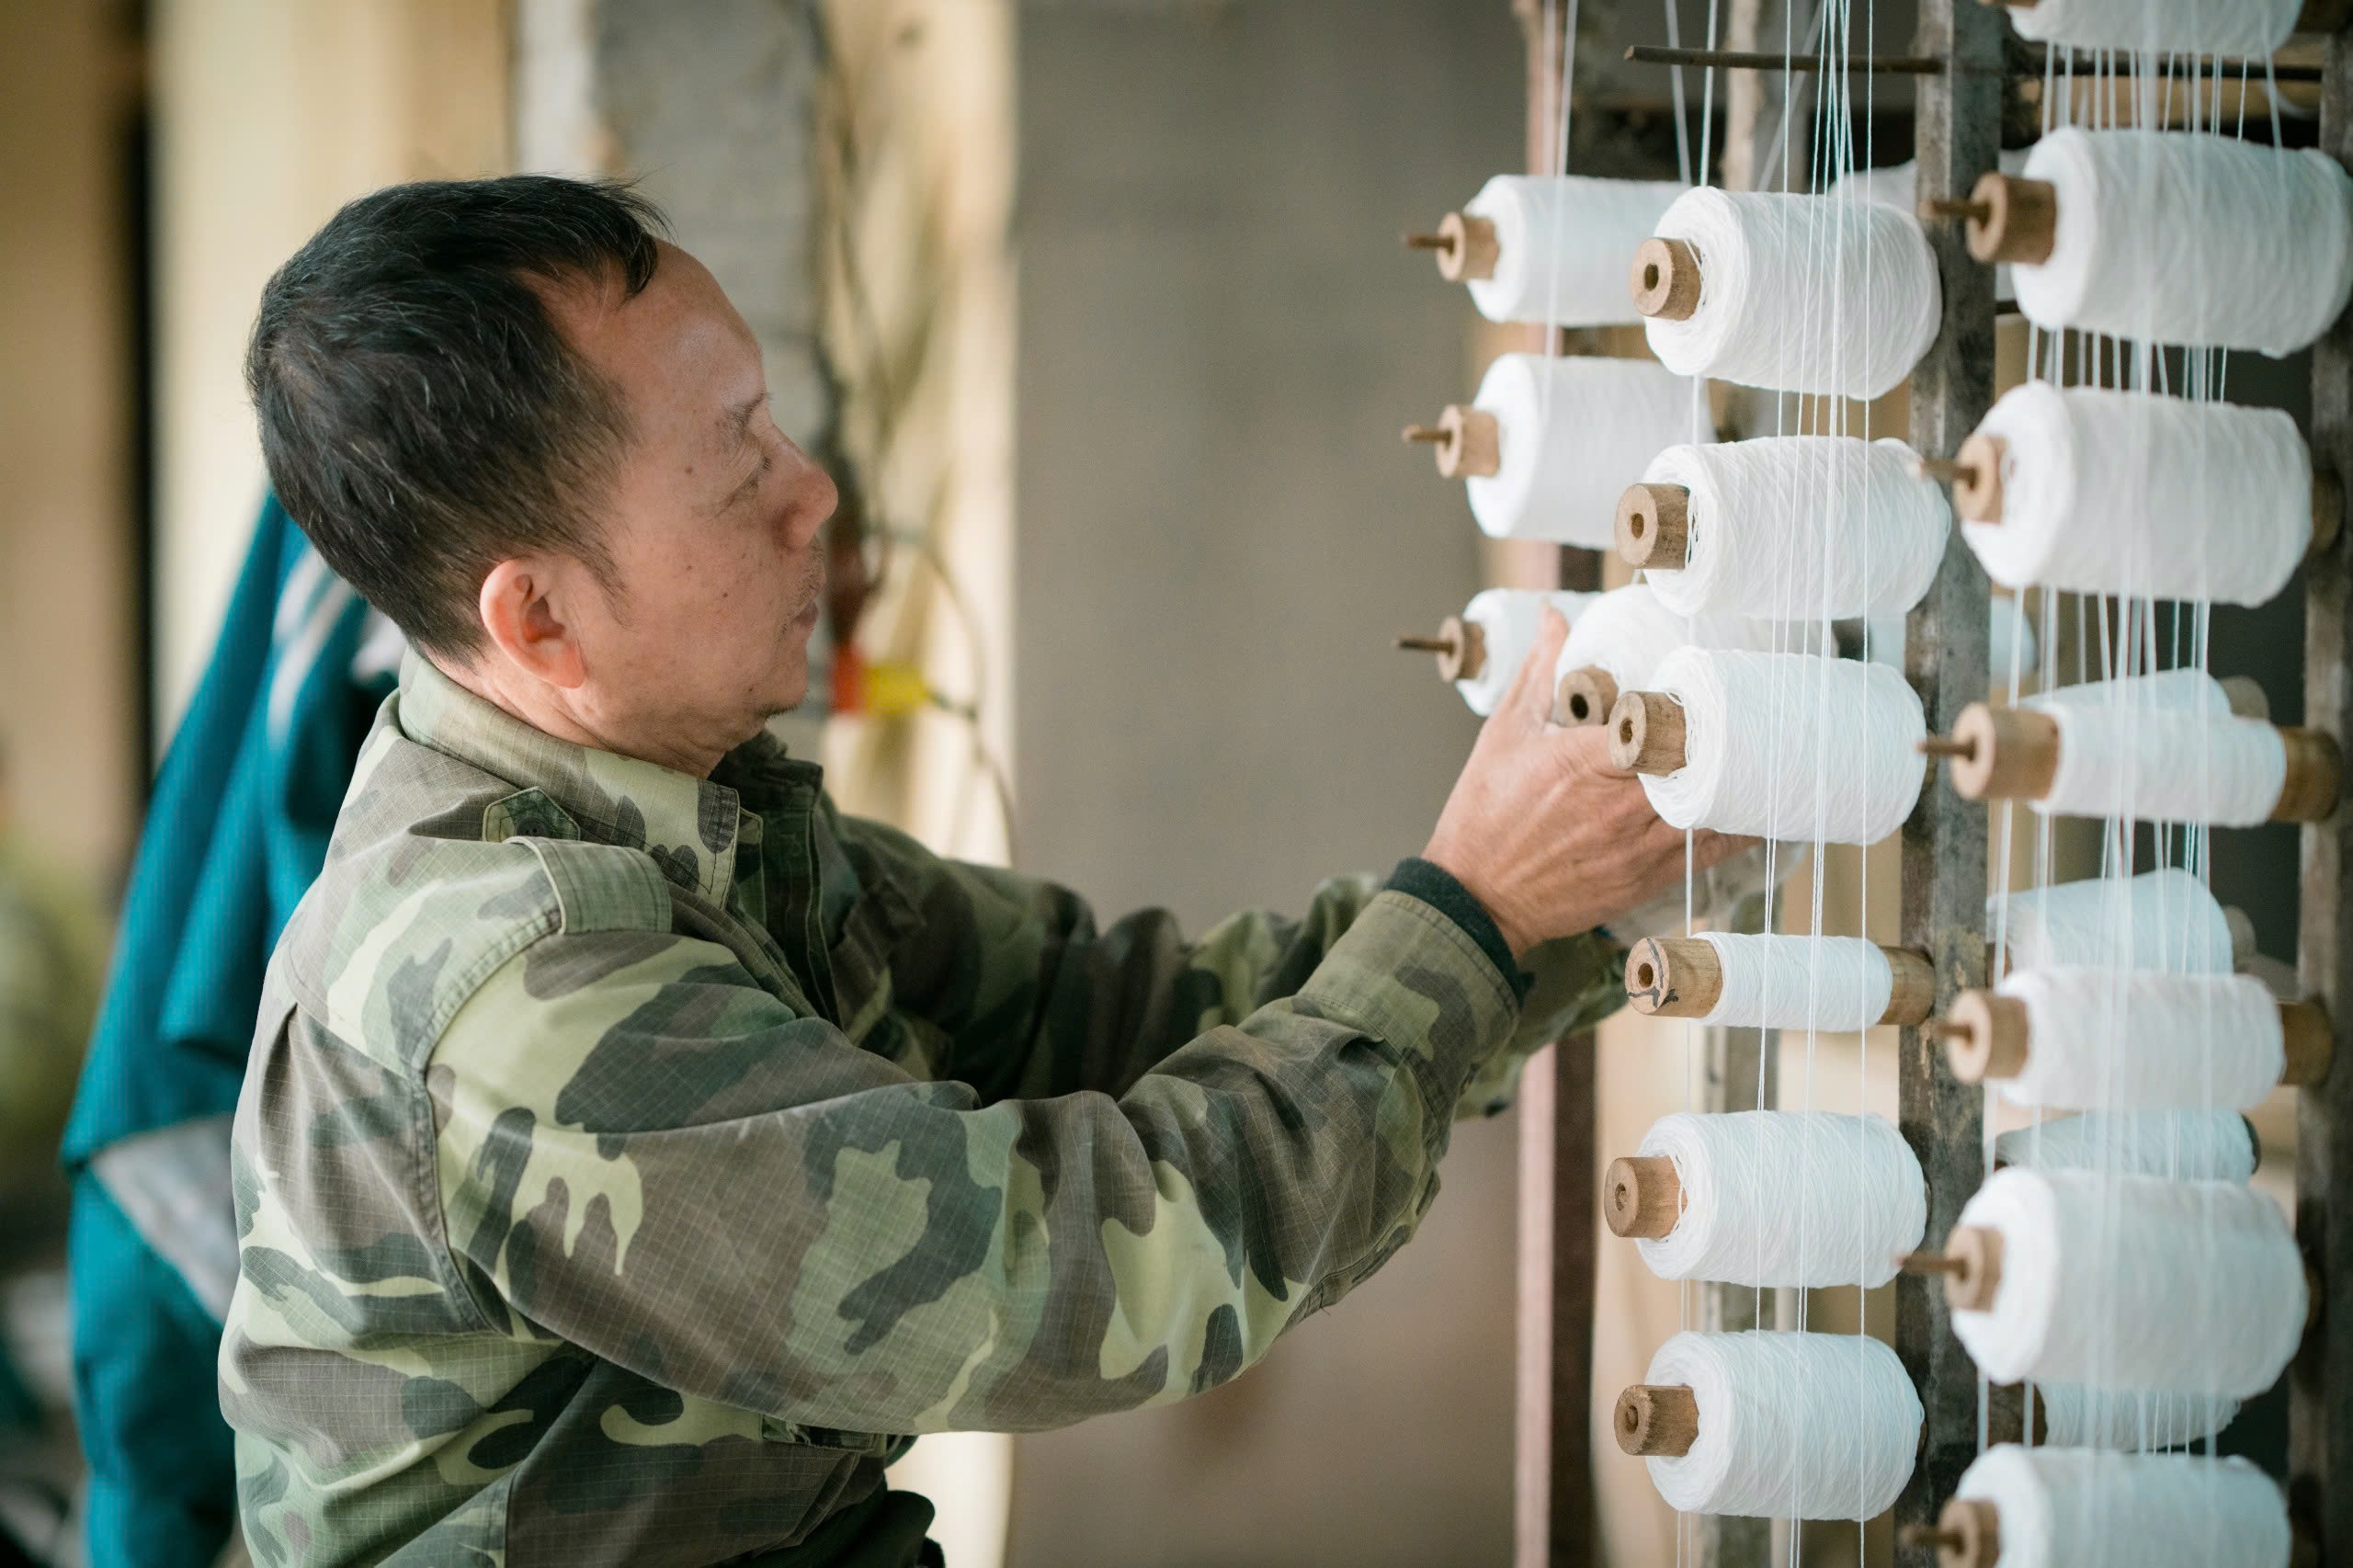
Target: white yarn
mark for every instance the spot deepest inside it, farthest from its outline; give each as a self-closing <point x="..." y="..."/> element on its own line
<point x="1898" y="185"/>
<point x="2132" y="1282"/>
<point x="2184" y="690"/>
<point x="1802" y="527"/>
<point x="1806" y="1426"/>
<point x="1508" y="621"/>
<point x="1574" y="432"/>
<point x="1628" y="633"/>
<point x="1787" y="1197"/>
<point x="2082" y="1508"/>
<point x="1798" y="983"/>
<point x="2175" y="237"/>
<point x="2131" y="493"/>
<point x="1802" y="293"/>
<point x="2078" y="1417"/>
<point x="2114" y="1040"/>
<point x="2160" y="765"/>
<point x="2250" y="28"/>
<point x="1791" y="745"/>
<point x="2183" y="1145"/>
<point x="1564" y="243"/>
<point x="2164" y="920"/>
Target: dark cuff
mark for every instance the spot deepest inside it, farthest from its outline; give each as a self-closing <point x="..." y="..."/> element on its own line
<point x="1436" y="886"/>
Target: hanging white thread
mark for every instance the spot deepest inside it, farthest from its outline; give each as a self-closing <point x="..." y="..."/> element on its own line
<point x="1801" y="293"/>
<point x="1814" y="1425"/>
<point x="2164" y="920"/>
<point x="2250" y="28"/>
<point x="1798" y="983"/>
<point x="1802" y="527"/>
<point x="1780" y="1198"/>
<point x="1898" y="185"/>
<point x="1563" y="245"/>
<point x="2134" y="493"/>
<point x="1508" y="621"/>
<point x="2111" y="1039"/>
<point x="2082" y="1508"/>
<point x="2078" y="1417"/>
<point x="2183" y="1145"/>
<point x="2163" y="765"/>
<point x="2174" y="237"/>
<point x="2132" y="1282"/>
<point x="1791" y="745"/>
<point x="1574" y="432"/>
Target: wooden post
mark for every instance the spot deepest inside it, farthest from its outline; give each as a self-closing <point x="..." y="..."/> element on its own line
<point x="1958" y="133"/>
<point x="2319" y="1428"/>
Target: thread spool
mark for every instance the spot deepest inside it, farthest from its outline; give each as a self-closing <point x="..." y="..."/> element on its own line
<point x="1806" y="1426"/>
<point x="2186" y="1145"/>
<point x="1742" y="742"/>
<point x="2123" y="1283"/>
<point x="1482" y="649"/>
<point x="2252" y="28"/>
<point x="1548" y="444"/>
<point x="1789" y="526"/>
<point x="1769" y="1197"/>
<point x="2173" y="237"/>
<point x="2099" y="760"/>
<point x="1779" y="983"/>
<point x="2185" y="690"/>
<point x="2164" y="920"/>
<point x="2102" y="1040"/>
<point x="2055" y="1507"/>
<point x="2134" y="493"/>
<point x="1550" y="249"/>
<point x="1752" y="287"/>
<point x="1622" y="638"/>
<point x="2073" y="1416"/>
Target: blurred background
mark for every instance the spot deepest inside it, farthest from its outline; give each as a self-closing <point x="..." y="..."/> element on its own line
<point x="1097" y="309"/>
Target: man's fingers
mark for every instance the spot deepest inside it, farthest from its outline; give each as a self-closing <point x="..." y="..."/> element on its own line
<point x="1532" y="688"/>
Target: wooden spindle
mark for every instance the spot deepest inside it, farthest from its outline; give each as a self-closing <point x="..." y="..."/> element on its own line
<point x="1584" y="697"/>
<point x="1465" y="248"/>
<point x="1654" y="526"/>
<point x="1656" y="1420"/>
<point x="1971" y="1263"/>
<point x="1666" y="279"/>
<point x="1968" y="1534"/>
<point x="1646" y="734"/>
<point x="1641" y="1197"/>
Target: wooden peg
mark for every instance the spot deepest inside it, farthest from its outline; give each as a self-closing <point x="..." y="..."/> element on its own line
<point x="2315" y="776"/>
<point x="1468" y="442"/>
<point x="1666" y="279"/>
<point x="1655" y="526"/>
<point x="1658" y="1420"/>
<point x="1968" y="1533"/>
<point x="1641" y="1197"/>
<point x="2003" y="753"/>
<point x="1970" y="1262"/>
<point x="1465" y="248"/>
<point x="1976" y="476"/>
<point x="1913" y="997"/>
<point x="1985" y="1034"/>
<point x="2309" y="1040"/>
<point x="1461" y="646"/>
<point x="1584" y="697"/>
<point x="2012" y="219"/>
<point x="1646" y="734"/>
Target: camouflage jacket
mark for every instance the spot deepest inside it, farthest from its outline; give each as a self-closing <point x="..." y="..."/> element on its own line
<point x="625" y="1157"/>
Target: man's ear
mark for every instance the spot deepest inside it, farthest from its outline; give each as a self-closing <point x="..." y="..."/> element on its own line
<point x="522" y="608"/>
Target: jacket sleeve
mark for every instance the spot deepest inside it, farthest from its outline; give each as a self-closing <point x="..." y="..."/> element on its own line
<point x="644" y="1153"/>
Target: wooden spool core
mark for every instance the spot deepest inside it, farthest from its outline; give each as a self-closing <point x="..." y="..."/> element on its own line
<point x="1584" y="696"/>
<point x="2315" y="777"/>
<point x="1977" y="479"/>
<point x="2309" y="1040"/>
<point x="1666" y="279"/>
<point x="1655" y="526"/>
<point x="1682" y="977"/>
<point x="2013" y="219"/>
<point x="1465" y="248"/>
<point x="1463" y="652"/>
<point x="2003" y="753"/>
<point x="1913" y="997"/>
<point x="1987" y="1035"/>
<point x="1971" y="1263"/>
<point x="1467" y="442"/>
<point x="1968" y="1534"/>
<point x="1658" y="1420"/>
<point x="1646" y="734"/>
<point x="1641" y="1197"/>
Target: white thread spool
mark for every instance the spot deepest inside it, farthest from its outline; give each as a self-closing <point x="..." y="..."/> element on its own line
<point x="1898" y="185"/>
<point x="2164" y="920"/>
<point x="1563" y="246"/>
<point x="1802" y="527"/>
<point x="1780" y="1198"/>
<point x="1801" y="293"/>
<point x="2249" y="27"/>
<point x="1811" y="1426"/>
<point x="2185" y="1145"/>
<point x="2127" y="1282"/>
<point x="2108" y="1040"/>
<point x="1508" y="621"/>
<point x="2078" y="1417"/>
<point x="1790" y="746"/>
<point x="1571" y="434"/>
<point x="2131" y="493"/>
<point x="1776" y="982"/>
<point x="2082" y="1508"/>
<point x="1627" y="634"/>
<point x="2173" y="237"/>
<point x="2184" y="690"/>
<point x="2163" y="765"/>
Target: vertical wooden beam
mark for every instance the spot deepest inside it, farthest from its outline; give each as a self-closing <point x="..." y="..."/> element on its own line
<point x="2319" y="1428"/>
<point x="1959" y="132"/>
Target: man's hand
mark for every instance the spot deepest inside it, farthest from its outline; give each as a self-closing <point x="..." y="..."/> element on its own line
<point x="1543" y="831"/>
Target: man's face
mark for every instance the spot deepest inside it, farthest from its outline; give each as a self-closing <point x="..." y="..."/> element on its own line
<point x="711" y="523"/>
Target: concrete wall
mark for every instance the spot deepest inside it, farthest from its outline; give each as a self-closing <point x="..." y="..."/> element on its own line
<point x="1217" y="535"/>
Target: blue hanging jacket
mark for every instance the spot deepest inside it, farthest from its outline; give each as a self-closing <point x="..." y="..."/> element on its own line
<point x="235" y="833"/>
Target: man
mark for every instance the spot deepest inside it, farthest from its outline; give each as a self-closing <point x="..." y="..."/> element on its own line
<point x="634" y="1153"/>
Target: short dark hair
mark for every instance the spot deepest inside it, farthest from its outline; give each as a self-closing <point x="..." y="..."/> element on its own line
<point x="421" y="416"/>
